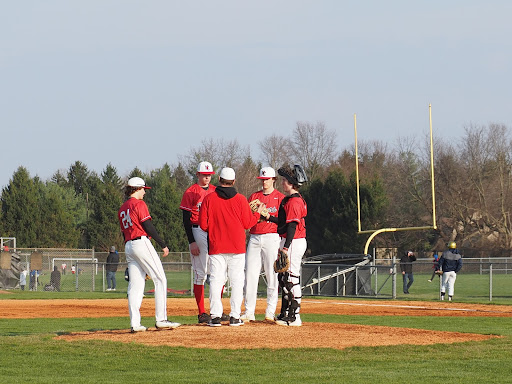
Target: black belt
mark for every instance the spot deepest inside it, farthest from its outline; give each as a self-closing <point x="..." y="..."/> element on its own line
<point x="195" y="226"/>
<point x="137" y="238"/>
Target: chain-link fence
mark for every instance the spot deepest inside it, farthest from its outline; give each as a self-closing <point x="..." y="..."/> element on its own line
<point x="479" y="279"/>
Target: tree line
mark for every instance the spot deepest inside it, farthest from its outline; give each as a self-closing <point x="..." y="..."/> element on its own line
<point x="473" y="176"/>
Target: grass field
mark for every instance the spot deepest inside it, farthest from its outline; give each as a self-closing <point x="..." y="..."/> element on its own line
<point x="29" y="353"/>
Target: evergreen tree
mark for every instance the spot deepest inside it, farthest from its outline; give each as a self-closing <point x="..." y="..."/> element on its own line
<point x="20" y="209"/>
<point x="106" y="198"/>
<point x="163" y="201"/>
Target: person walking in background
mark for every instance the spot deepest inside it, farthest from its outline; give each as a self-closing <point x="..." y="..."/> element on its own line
<point x="406" y="268"/>
<point x="435" y="267"/>
<point x="225" y="215"/>
<point x="137" y="227"/>
<point x="111" y="267"/>
<point x="450" y="264"/>
<point x="291" y="227"/>
<point x="23" y="279"/>
<point x="262" y="248"/>
<point x="197" y="238"/>
<point x="55" y="279"/>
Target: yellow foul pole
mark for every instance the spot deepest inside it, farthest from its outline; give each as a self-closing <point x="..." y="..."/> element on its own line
<point x="357" y="179"/>
<point x="434" y="225"/>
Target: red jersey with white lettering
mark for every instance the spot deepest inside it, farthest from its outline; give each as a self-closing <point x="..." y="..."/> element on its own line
<point x="131" y="216"/>
<point x="226" y="220"/>
<point x="272" y="202"/>
<point x="296" y="210"/>
<point x="192" y="200"/>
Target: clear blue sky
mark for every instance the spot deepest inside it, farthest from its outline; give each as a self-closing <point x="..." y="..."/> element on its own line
<point x="139" y="83"/>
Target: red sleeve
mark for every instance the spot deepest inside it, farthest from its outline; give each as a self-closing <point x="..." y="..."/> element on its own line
<point x="203" y="214"/>
<point x="249" y="218"/>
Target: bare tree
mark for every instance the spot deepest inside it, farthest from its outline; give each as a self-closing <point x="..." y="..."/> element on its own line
<point x="313" y="146"/>
<point x="276" y="151"/>
<point x="219" y="153"/>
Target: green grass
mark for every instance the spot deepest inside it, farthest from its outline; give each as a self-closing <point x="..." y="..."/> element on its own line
<point x="29" y="353"/>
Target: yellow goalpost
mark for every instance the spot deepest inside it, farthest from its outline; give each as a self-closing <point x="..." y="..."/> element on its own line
<point x="375" y="232"/>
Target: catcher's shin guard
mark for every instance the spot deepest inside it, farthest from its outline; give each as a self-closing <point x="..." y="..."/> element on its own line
<point x="283" y="278"/>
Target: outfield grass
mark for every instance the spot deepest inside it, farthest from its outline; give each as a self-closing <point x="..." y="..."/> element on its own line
<point x="29" y="353"/>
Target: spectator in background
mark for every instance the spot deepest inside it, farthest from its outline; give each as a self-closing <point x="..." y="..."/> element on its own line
<point x="406" y="268"/>
<point x="23" y="279"/>
<point x="55" y="279"/>
<point x="111" y="266"/>
<point x="63" y="266"/>
<point x="435" y="267"/>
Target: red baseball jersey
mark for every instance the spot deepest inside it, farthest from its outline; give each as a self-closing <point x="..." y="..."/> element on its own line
<point x="226" y="220"/>
<point x="131" y="216"/>
<point x="192" y="200"/>
<point x="272" y="201"/>
<point x="296" y="210"/>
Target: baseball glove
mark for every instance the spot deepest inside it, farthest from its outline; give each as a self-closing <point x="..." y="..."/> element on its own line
<point x="254" y="204"/>
<point x="439" y="272"/>
<point x="148" y="277"/>
<point x="282" y="263"/>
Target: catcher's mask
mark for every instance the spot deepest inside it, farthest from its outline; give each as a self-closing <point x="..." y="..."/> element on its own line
<point x="297" y="176"/>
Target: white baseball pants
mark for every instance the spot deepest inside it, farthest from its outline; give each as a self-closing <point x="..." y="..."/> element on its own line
<point x="448" y="282"/>
<point x="142" y="258"/>
<point x="234" y="265"/>
<point x="200" y="262"/>
<point x="261" y="250"/>
<point x="296" y="251"/>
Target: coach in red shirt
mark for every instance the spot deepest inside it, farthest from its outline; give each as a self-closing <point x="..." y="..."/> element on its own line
<point x="225" y="214"/>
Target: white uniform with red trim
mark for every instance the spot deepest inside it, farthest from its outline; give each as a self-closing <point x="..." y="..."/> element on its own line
<point x="262" y="250"/>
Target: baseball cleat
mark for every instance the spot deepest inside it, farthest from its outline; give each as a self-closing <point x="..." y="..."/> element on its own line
<point x="270" y="319"/>
<point x="296" y="323"/>
<point x="140" y="328"/>
<point x="203" y="318"/>
<point x="215" y="322"/>
<point x="247" y="317"/>
<point x="166" y="324"/>
<point x="233" y="322"/>
<point x="224" y="317"/>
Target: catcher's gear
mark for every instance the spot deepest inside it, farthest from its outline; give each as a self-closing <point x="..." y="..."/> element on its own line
<point x="452" y="245"/>
<point x="296" y="176"/>
<point x="282" y="263"/>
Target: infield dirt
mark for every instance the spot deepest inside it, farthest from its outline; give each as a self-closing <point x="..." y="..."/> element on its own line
<point x="260" y="334"/>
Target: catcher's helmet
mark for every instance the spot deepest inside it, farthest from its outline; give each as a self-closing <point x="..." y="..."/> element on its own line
<point x="452" y="245"/>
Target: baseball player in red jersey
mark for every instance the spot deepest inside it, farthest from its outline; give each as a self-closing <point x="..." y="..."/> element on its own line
<point x="292" y="229"/>
<point x="197" y="238"/>
<point x="226" y="215"/>
<point x="262" y="248"/>
<point x="137" y="228"/>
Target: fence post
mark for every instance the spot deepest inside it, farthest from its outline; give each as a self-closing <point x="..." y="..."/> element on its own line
<point x="76" y="275"/>
<point x="490" y="282"/>
<point x="393" y="278"/>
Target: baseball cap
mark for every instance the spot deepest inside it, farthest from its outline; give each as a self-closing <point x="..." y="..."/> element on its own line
<point x="227" y="174"/>
<point x="267" y="173"/>
<point x="137" y="182"/>
<point x="206" y="168"/>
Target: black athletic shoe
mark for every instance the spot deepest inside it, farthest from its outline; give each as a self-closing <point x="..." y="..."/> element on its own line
<point x="215" y="322"/>
<point x="224" y="317"/>
<point x="235" y="322"/>
<point x="203" y="318"/>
